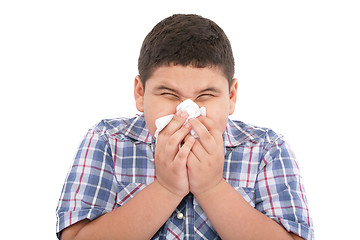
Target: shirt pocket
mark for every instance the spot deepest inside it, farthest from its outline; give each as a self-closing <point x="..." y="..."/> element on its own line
<point x="244" y="186"/>
<point x="127" y="191"/>
<point x="247" y="193"/>
<point x="241" y="170"/>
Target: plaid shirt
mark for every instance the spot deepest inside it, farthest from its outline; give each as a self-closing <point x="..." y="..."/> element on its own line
<point x="116" y="160"/>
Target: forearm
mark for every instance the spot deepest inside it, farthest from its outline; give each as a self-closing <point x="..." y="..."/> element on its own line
<point x="234" y="218"/>
<point x="147" y="211"/>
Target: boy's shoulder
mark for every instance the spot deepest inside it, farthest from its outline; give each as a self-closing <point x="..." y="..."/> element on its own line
<point x="132" y="128"/>
<point x="238" y="133"/>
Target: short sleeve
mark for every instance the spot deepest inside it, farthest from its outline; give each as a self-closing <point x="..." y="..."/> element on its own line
<point x="90" y="187"/>
<point x="279" y="191"/>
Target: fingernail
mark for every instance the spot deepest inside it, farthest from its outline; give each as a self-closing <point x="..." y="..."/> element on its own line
<point x="191" y="139"/>
<point x="178" y="113"/>
<point x="183" y="114"/>
<point x="188" y="125"/>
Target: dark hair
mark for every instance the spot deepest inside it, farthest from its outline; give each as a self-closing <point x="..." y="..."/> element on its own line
<point x="185" y="40"/>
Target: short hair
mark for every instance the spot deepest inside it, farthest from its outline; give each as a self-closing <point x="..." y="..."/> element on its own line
<point x="186" y="39"/>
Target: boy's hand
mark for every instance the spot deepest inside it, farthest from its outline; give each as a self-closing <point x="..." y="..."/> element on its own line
<point x="206" y="159"/>
<point x="170" y="161"/>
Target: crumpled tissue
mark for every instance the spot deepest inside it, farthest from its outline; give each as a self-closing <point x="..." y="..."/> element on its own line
<point x="186" y="106"/>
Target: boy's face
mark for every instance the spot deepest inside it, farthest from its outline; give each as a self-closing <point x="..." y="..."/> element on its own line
<point x="170" y="85"/>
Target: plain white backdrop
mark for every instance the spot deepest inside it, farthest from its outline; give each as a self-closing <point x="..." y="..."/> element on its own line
<point x="65" y="65"/>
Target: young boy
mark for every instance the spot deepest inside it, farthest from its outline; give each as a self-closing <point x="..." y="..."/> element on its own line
<point x="234" y="181"/>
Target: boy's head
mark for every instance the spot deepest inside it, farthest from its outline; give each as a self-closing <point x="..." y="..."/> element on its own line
<point x="186" y="40"/>
<point x="186" y="57"/>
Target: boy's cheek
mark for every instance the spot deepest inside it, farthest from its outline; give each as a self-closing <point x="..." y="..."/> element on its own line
<point x="157" y="109"/>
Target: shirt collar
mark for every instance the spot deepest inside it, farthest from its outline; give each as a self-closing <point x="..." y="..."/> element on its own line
<point x="237" y="133"/>
<point x="137" y="130"/>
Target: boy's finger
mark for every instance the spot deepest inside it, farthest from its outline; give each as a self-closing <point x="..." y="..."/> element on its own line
<point x="199" y="151"/>
<point x="181" y="134"/>
<point x="175" y="123"/>
<point x="192" y="161"/>
<point x="178" y="137"/>
<point x="208" y="123"/>
<point x="211" y="127"/>
<point x="206" y="139"/>
<point x="182" y="155"/>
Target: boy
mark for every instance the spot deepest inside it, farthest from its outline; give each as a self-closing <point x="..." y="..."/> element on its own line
<point x="234" y="181"/>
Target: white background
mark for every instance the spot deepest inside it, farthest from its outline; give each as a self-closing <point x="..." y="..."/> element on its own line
<point x="65" y="65"/>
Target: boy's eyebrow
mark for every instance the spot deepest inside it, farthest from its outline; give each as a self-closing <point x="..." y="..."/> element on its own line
<point x="209" y="89"/>
<point x="163" y="87"/>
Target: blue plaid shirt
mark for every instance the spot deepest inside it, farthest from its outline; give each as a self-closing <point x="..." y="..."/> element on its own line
<point x="116" y="160"/>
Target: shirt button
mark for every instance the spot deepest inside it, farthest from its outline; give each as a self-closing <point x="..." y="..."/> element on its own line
<point x="180" y="215"/>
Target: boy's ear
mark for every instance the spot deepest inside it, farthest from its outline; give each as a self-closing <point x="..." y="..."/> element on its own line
<point x="233" y="95"/>
<point x="139" y="94"/>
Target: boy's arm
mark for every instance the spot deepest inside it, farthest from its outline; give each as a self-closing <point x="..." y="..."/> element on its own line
<point x="151" y="207"/>
<point x="228" y="212"/>
<point x="148" y="210"/>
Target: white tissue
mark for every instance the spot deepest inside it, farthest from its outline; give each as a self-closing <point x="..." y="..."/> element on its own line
<point x="186" y="106"/>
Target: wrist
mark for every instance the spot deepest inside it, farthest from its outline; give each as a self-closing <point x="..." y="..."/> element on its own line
<point x="208" y="192"/>
<point x="168" y="192"/>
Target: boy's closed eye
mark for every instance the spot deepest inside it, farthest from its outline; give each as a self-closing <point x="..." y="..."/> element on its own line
<point x="171" y="95"/>
<point x="205" y="96"/>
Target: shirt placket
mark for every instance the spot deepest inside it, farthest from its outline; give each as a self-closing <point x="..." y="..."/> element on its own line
<point x="177" y="227"/>
<point x="189" y="218"/>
